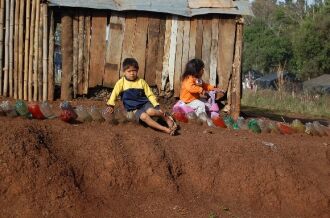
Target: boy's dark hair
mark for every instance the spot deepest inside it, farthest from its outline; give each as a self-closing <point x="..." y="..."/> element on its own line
<point x="130" y="62"/>
<point x="193" y="67"/>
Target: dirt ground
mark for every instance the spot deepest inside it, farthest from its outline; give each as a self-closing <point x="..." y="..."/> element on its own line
<point x="49" y="168"/>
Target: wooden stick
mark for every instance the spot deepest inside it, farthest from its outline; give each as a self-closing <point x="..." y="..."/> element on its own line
<point x="5" y="85"/>
<point x="40" y="54"/>
<point x="16" y="36"/>
<point x="67" y="52"/>
<point x="33" y="13"/>
<point x="2" y="12"/>
<point x="36" y="45"/>
<point x="51" y="58"/>
<point x="45" y="52"/>
<point x="20" y="50"/>
<point x="11" y="51"/>
<point x="87" y="51"/>
<point x="80" y="52"/>
<point x="75" y="55"/>
<point x="26" y="53"/>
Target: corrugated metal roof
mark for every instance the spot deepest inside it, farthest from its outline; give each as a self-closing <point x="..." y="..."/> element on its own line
<point x="177" y="7"/>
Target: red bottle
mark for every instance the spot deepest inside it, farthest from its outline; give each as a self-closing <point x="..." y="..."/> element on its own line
<point x="218" y="121"/>
<point x="285" y="128"/>
<point x="34" y="109"/>
<point x="181" y="117"/>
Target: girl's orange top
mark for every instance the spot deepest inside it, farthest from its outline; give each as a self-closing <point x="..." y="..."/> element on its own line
<point x="191" y="91"/>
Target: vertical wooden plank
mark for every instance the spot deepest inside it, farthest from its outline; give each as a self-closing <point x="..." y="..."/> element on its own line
<point x="192" y="38"/>
<point x="27" y="48"/>
<point x="199" y="38"/>
<point x="178" y="57"/>
<point x="51" y="57"/>
<point x="16" y="49"/>
<point x="152" y="52"/>
<point x="114" y="50"/>
<point x="87" y="52"/>
<point x="75" y="53"/>
<point x="45" y="53"/>
<point x="227" y="28"/>
<point x="36" y="51"/>
<point x="67" y="52"/>
<point x="186" y="42"/>
<point x="167" y="46"/>
<point x="171" y="61"/>
<point x="33" y="16"/>
<point x="206" y="47"/>
<point x="5" y="83"/>
<point x="236" y="80"/>
<point x="20" y="49"/>
<point x="98" y="45"/>
<point x="214" y="50"/>
<point x="40" y="52"/>
<point x="81" y="26"/>
<point x="11" y="48"/>
<point x="129" y="36"/>
<point x="139" y="51"/>
<point x="161" y="42"/>
<point x="2" y="13"/>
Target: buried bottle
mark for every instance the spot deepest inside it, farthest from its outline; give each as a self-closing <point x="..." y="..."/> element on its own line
<point x="82" y="114"/>
<point x="298" y="126"/>
<point x="310" y="130"/>
<point x="34" y="109"/>
<point x="285" y="128"/>
<point x="217" y="120"/>
<point x="254" y="126"/>
<point x="67" y="114"/>
<point x="46" y="110"/>
<point x="96" y="114"/>
<point x="229" y="121"/>
<point x="8" y="109"/>
<point x="320" y="128"/>
<point x="22" y="109"/>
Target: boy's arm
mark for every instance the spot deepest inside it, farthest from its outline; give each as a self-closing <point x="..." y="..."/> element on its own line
<point x="150" y="95"/>
<point x="115" y="93"/>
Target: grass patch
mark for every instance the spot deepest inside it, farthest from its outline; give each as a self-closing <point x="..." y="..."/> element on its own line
<point x="283" y="102"/>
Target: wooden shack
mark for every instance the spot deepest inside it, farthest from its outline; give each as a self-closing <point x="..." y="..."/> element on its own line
<point x="97" y="35"/>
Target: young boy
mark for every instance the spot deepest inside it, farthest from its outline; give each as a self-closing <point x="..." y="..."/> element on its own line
<point x="138" y="98"/>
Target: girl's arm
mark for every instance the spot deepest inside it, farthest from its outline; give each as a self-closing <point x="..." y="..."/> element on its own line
<point x="191" y="86"/>
<point x="115" y="92"/>
<point x="207" y="87"/>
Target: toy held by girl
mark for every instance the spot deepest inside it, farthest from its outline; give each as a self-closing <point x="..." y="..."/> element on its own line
<point x="138" y="98"/>
<point x="193" y="87"/>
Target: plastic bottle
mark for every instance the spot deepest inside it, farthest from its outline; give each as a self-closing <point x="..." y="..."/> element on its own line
<point x="214" y="106"/>
<point x="320" y="128"/>
<point x="107" y="115"/>
<point x="96" y="114"/>
<point x="273" y="127"/>
<point x="229" y="121"/>
<point x="120" y="115"/>
<point x="241" y="123"/>
<point x="34" y="109"/>
<point x="9" y="109"/>
<point x="310" y="130"/>
<point x="22" y="109"/>
<point x="2" y="112"/>
<point x="298" y="126"/>
<point x="254" y="126"/>
<point x="67" y="114"/>
<point x="285" y="128"/>
<point x="46" y="110"/>
<point x="83" y="115"/>
<point x="217" y="120"/>
<point x="263" y="126"/>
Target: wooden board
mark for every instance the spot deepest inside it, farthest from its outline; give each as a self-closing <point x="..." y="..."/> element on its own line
<point x="171" y="60"/>
<point x="129" y="36"/>
<point x="159" y="63"/>
<point x="178" y="58"/>
<point x="166" y="56"/>
<point x="186" y="42"/>
<point x="206" y="47"/>
<point x="87" y="46"/>
<point x="199" y="38"/>
<point x="81" y="26"/>
<point x="227" y="28"/>
<point x="214" y="50"/>
<point x="192" y="38"/>
<point x="152" y="51"/>
<point x="97" y="54"/>
<point x="114" y="50"/>
<point x="139" y="51"/>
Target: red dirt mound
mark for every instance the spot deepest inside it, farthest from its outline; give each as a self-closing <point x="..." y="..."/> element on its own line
<point x="51" y="168"/>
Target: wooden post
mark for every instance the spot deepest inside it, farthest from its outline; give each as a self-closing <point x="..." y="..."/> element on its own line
<point x="87" y="52"/>
<point x="20" y="49"/>
<point x="45" y="52"/>
<point x="40" y="54"/>
<point x="236" y="80"/>
<point x="33" y="15"/>
<point x="16" y="36"/>
<point x="160" y="51"/>
<point x="5" y="85"/>
<point x="206" y="47"/>
<point x="11" y="51"/>
<point x="36" y="51"/>
<point x="81" y="25"/>
<point x="171" y="60"/>
<point x="26" y="53"/>
<point x="167" y="45"/>
<point x="192" y="38"/>
<point x="2" y="12"/>
<point x="214" y="50"/>
<point x="67" y="52"/>
<point x="75" y="54"/>
<point x="178" y="58"/>
<point x="51" y="58"/>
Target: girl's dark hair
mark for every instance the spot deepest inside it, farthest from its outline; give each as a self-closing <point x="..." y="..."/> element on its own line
<point x="130" y="62"/>
<point x="193" y="67"/>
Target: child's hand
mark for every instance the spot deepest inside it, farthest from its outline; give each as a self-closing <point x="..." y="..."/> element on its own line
<point x="110" y="109"/>
<point x="219" y="90"/>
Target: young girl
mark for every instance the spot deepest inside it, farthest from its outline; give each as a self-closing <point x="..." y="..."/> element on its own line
<point x="193" y="87"/>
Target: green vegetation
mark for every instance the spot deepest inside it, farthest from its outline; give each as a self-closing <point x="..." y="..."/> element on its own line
<point x="291" y="35"/>
<point x="284" y="103"/>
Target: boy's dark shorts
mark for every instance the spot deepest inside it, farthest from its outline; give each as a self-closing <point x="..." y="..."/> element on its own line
<point x="143" y="109"/>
